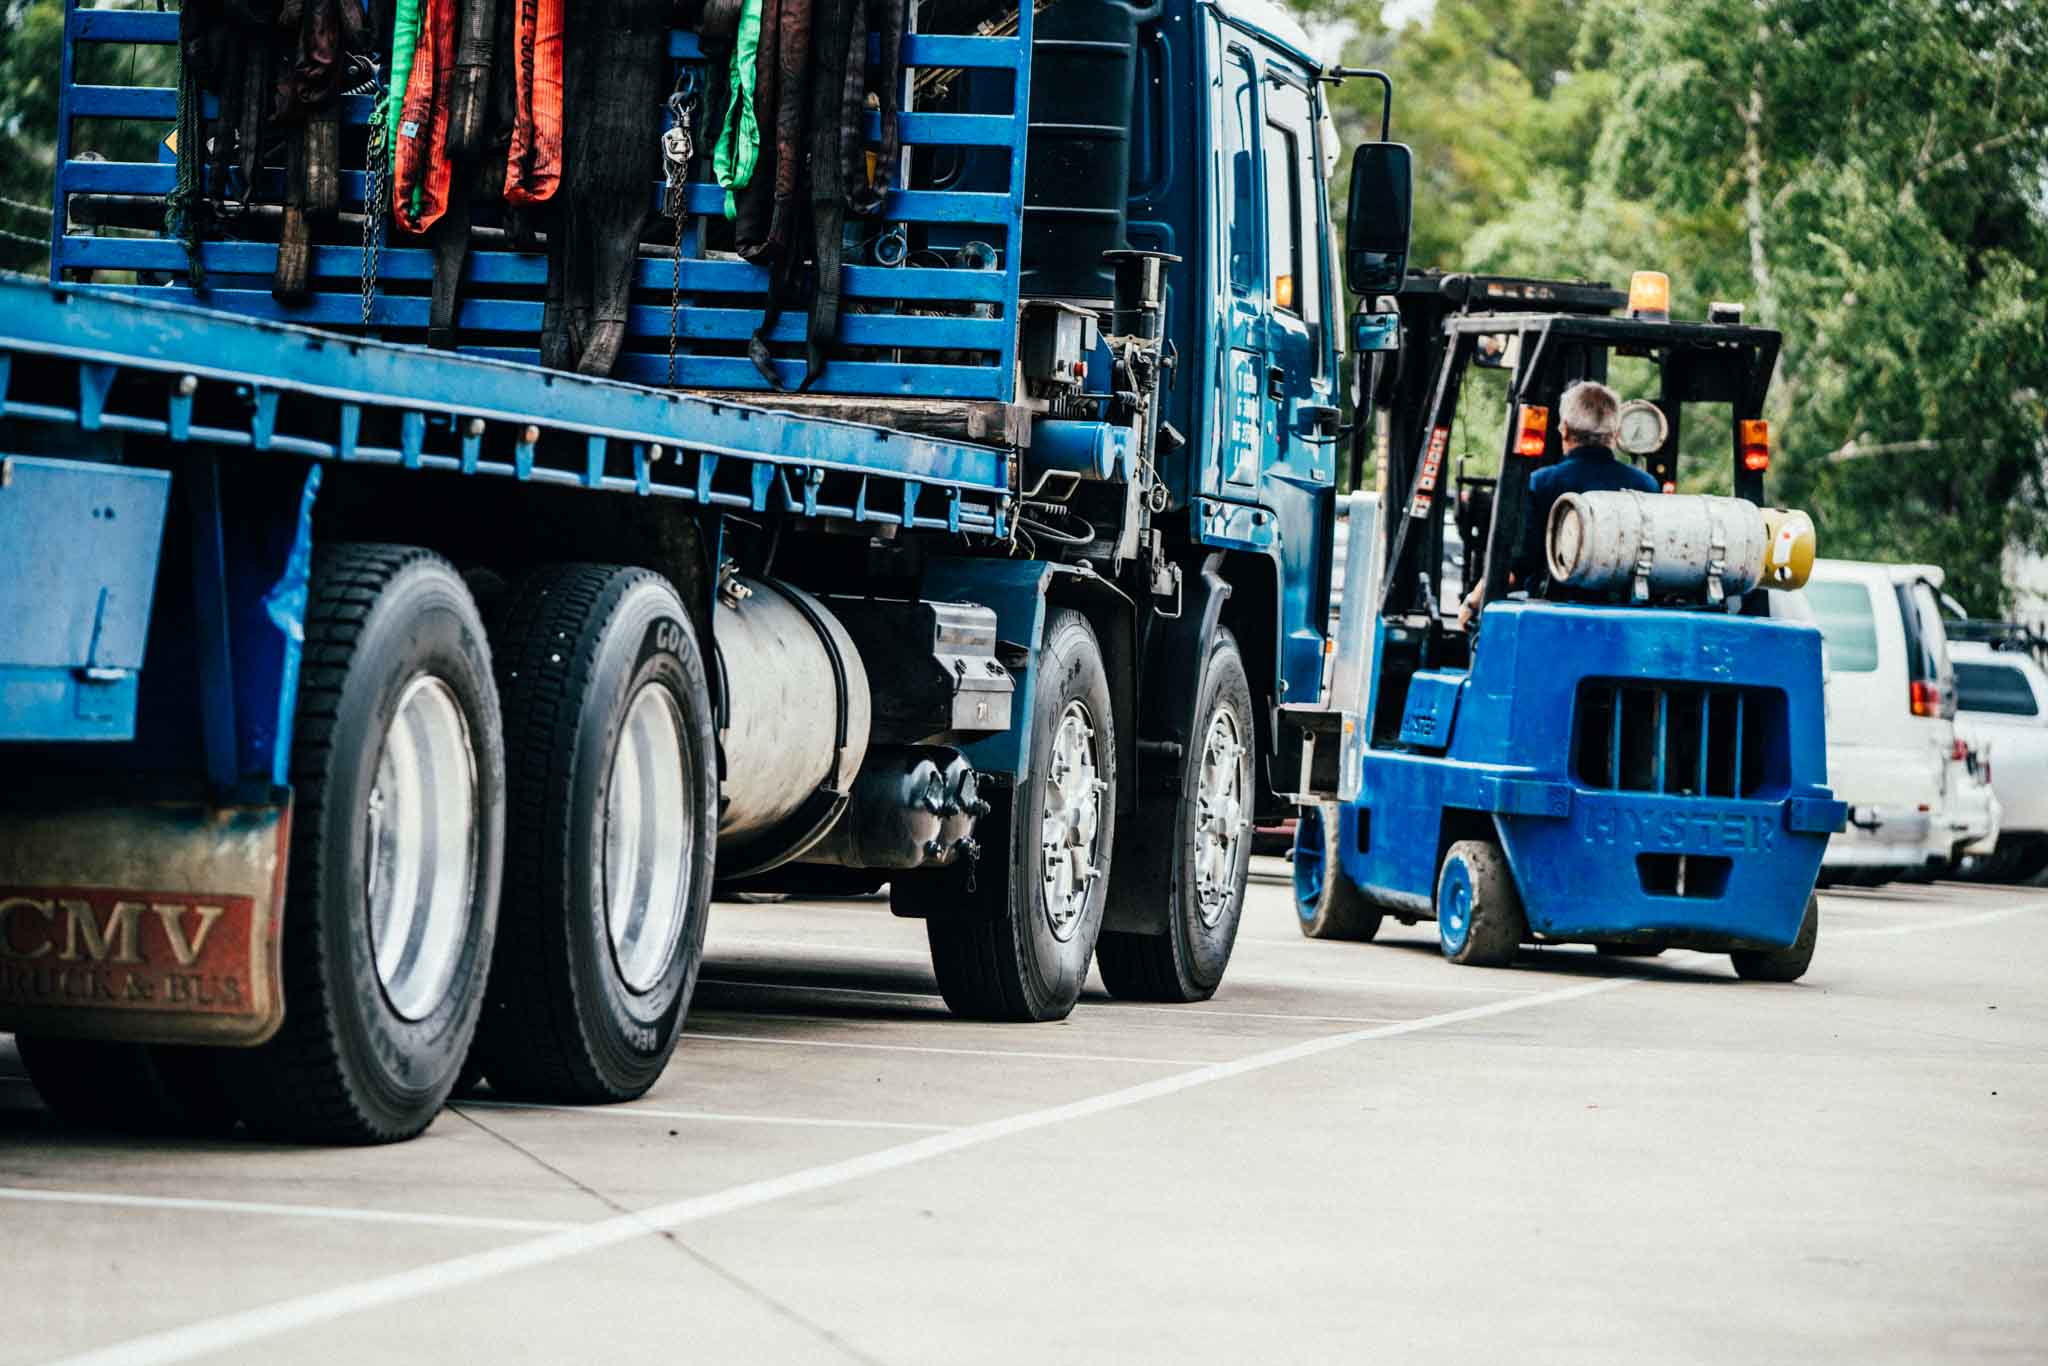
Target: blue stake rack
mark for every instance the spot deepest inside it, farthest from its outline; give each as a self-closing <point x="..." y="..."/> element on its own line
<point x="938" y="325"/>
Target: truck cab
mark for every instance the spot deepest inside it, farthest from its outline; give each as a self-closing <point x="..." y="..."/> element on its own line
<point x="1638" y="767"/>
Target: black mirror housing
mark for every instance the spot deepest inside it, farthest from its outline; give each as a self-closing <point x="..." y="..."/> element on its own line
<point x="1378" y="219"/>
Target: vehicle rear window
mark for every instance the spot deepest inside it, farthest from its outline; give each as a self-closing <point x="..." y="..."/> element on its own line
<point x="1997" y="688"/>
<point x="1847" y="622"/>
<point x="1926" y="640"/>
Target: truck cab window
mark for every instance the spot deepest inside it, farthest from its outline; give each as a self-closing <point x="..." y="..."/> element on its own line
<point x="1283" y="220"/>
<point x="1238" y="171"/>
<point x="1292" y="201"/>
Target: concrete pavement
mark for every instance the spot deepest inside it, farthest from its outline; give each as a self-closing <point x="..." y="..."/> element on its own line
<point x="1355" y="1149"/>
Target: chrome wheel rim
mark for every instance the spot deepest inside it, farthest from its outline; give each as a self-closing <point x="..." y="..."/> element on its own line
<point x="1070" y="826"/>
<point x="647" y="839"/>
<point x="422" y="847"/>
<point x="1220" y="822"/>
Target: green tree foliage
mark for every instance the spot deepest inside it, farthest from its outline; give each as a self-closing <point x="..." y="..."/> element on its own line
<point x="31" y="55"/>
<point x="1871" y="178"/>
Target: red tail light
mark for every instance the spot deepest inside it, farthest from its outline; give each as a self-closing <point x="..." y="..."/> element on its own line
<point x="1925" y="698"/>
<point x="1756" y="444"/>
<point x="1959" y="751"/>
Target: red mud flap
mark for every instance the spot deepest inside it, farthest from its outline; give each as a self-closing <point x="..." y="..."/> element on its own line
<point x="158" y="924"/>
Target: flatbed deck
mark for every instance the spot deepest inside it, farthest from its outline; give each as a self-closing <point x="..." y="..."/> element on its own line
<point x="109" y="363"/>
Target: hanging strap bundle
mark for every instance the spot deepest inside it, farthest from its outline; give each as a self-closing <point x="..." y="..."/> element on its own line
<point x="533" y="162"/>
<point x="421" y="169"/>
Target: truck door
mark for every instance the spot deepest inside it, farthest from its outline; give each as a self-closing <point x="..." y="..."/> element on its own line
<point x="1299" y="452"/>
<point x="1297" y="370"/>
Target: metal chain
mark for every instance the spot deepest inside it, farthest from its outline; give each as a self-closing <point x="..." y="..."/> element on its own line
<point x="678" y="149"/>
<point x="373" y="202"/>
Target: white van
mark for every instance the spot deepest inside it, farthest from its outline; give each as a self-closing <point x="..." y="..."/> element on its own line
<point x="2002" y="706"/>
<point x="1891" y="734"/>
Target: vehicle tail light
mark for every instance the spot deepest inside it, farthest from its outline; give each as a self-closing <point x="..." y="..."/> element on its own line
<point x="1925" y="698"/>
<point x="1532" y="428"/>
<point x="1756" y="444"/>
<point x="1959" y="750"/>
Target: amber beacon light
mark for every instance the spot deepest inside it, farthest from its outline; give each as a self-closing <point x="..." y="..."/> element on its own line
<point x="1649" y="296"/>
<point x="1532" y="430"/>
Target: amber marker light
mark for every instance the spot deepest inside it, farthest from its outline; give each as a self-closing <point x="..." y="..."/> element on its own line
<point x="1756" y="444"/>
<point x="1649" y="296"/>
<point x="1532" y="428"/>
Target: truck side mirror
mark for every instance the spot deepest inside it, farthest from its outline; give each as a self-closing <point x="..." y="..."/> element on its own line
<point x="1377" y="222"/>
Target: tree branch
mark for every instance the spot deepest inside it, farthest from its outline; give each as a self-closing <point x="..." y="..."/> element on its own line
<point x="1969" y="154"/>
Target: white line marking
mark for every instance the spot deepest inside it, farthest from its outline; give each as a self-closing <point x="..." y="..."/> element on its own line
<point x="31" y="1195"/>
<point x="960" y="1052"/>
<point x="1119" y="1007"/>
<point x="694" y="1116"/>
<point x="1090" y="1007"/>
<point x="1370" y="983"/>
<point x="229" y="1332"/>
<point x="1924" y="926"/>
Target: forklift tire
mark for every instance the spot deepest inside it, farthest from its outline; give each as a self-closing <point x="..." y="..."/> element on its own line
<point x="1012" y="935"/>
<point x="1786" y="964"/>
<point x="396" y="748"/>
<point x="129" y="1088"/>
<point x="1327" y="903"/>
<point x="612" y="819"/>
<point x="1193" y="849"/>
<point x="1478" y="911"/>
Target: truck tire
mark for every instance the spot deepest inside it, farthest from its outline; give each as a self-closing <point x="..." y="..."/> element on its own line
<point x="131" y="1088"/>
<point x="1192" y="850"/>
<point x="396" y="747"/>
<point x="1478" y="911"/>
<point x="1786" y="964"/>
<point x="1327" y="903"/>
<point x="1012" y="935"/>
<point x="613" y="818"/>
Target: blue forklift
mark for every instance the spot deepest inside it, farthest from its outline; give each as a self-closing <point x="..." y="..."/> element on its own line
<point x="1641" y="765"/>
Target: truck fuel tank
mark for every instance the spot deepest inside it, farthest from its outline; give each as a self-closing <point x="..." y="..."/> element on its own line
<point x="797" y="705"/>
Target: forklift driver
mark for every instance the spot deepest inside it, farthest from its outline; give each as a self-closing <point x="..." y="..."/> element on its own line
<point x="1589" y="422"/>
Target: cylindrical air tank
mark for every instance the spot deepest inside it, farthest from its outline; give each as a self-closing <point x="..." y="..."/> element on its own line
<point x="789" y="673"/>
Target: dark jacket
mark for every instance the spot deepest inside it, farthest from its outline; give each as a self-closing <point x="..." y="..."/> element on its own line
<point x="1584" y="469"/>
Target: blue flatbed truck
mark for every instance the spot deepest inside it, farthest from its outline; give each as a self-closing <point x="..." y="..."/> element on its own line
<point x="378" y="717"/>
<point x="1641" y="765"/>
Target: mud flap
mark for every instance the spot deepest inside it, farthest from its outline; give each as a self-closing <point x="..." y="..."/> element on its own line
<point x="154" y="924"/>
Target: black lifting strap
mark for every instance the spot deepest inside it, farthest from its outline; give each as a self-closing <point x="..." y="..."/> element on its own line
<point x="837" y="97"/>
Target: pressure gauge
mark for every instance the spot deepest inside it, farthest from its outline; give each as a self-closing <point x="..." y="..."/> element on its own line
<point x="1643" y="427"/>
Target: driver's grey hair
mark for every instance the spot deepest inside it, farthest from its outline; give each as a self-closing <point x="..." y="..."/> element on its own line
<point x="1592" y="411"/>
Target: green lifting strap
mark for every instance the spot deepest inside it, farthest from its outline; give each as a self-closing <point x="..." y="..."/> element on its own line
<point x="738" y="148"/>
<point x="405" y="36"/>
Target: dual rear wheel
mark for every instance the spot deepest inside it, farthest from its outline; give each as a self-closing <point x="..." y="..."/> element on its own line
<point x="570" y="762"/>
